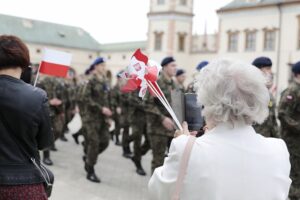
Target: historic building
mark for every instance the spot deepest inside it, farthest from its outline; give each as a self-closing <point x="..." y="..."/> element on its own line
<point x="247" y="29"/>
<point x="39" y="35"/>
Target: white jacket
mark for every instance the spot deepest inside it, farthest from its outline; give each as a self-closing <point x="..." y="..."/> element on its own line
<point x="226" y="164"/>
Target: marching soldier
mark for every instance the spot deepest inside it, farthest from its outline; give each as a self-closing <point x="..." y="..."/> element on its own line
<point x="289" y="116"/>
<point x="190" y="87"/>
<point x="180" y="78"/>
<point x="97" y="116"/>
<point x="160" y="125"/>
<point x="270" y="127"/>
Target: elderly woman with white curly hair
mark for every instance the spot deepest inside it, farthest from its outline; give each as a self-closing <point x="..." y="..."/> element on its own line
<point x="230" y="161"/>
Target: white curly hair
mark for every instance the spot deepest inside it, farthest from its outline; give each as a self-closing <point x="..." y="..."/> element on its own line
<point x="232" y="91"/>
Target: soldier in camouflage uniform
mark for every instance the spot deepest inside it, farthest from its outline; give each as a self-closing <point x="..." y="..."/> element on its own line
<point x="289" y="116"/>
<point x="139" y="129"/>
<point x="160" y="125"/>
<point x="270" y="127"/>
<point x="125" y="121"/>
<point x="97" y="100"/>
<point x="180" y="78"/>
<point x="56" y="93"/>
<point x="70" y="87"/>
<point x="116" y="107"/>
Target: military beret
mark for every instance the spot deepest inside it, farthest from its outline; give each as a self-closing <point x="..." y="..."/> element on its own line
<point x="296" y="68"/>
<point x="92" y="66"/>
<point x="180" y="72"/>
<point x="261" y="62"/>
<point x="166" y="61"/>
<point x="98" y="61"/>
<point x="201" y="65"/>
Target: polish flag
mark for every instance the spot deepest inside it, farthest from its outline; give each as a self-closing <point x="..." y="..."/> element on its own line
<point x="55" y="63"/>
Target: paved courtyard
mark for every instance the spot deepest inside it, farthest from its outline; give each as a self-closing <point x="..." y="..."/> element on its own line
<point x="119" y="180"/>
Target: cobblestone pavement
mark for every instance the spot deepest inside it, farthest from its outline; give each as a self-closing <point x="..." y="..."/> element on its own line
<point x="119" y="180"/>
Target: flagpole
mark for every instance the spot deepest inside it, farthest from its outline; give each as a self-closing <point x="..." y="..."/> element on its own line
<point x="37" y="75"/>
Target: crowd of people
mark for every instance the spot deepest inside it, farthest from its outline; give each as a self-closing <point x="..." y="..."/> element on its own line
<point x="146" y="123"/>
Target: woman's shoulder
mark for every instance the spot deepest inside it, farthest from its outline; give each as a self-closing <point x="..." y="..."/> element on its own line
<point x="36" y="94"/>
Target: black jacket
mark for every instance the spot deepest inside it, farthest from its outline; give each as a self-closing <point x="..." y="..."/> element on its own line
<point x="24" y="117"/>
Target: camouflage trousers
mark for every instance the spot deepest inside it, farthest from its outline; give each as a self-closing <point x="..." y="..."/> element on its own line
<point x="125" y="137"/>
<point x="159" y="144"/>
<point x="96" y="140"/>
<point x="139" y="129"/>
<point x="58" y="122"/>
<point x="293" y="145"/>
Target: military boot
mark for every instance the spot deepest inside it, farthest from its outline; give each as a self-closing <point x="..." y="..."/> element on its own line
<point x="126" y="152"/>
<point x="75" y="136"/>
<point x="118" y="143"/>
<point x="139" y="168"/>
<point x="46" y="158"/>
<point x="91" y="174"/>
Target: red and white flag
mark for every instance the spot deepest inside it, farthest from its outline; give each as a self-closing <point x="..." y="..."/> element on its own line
<point x="55" y="63"/>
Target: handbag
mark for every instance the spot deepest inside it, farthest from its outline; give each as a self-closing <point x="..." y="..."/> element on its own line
<point x="183" y="167"/>
<point x="46" y="174"/>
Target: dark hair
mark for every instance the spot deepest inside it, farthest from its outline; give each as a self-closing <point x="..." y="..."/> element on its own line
<point x="27" y="75"/>
<point x="13" y="52"/>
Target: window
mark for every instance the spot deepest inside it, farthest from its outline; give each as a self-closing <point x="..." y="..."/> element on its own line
<point x="38" y="50"/>
<point x="298" y="32"/>
<point x="270" y="39"/>
<point x="181" y="42"/>
<point x="183" y="2"/>
<point x="108" y="57"/>
<point x="90" y="56"/>
<point x="160" y="2"/>
<point x="158" y="41"/>
<point x="124" y="57"/>
<point x="250" y="41"/>
<point x="233" y="39"/>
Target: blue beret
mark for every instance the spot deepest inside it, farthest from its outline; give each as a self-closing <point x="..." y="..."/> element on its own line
<point x="92" y="66"/>
<point x="201" y="65"/>
<point x="98" y="61"/>
<point x="180" y="72"/>
<point x="296" y="68"/>
<point x="166" y="61"/>
<point x="261" y="62"/>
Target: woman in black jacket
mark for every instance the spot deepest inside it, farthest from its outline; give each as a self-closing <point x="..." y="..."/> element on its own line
<point x="24" y="125"/>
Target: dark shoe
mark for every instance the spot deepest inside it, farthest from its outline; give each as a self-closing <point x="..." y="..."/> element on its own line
<point x="118" y="143"/>
<point x="84" y="158"/>
<point x="47" y="161"/>
<point x="75" y="136"/>
<point x="93" y="177"/>
<point x="111" y="135"/>
<point x="139" y="168"/>
<point x="63" y="138"/>
<point x="127" y="155"/>
<point x="91" y="174"/>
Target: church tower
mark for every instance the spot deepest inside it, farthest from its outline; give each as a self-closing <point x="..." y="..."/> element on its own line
<point x="170" y="28"/>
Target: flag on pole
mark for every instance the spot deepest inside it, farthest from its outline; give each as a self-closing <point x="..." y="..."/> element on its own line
<point x="55" y="63"/>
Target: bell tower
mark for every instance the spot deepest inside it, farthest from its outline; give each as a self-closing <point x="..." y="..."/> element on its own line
<point x="170" y="28"/>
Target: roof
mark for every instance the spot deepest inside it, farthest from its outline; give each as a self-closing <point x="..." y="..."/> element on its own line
<point x="238" y="4"/>
<point x="47" y="33"/>
<point x="124" y="46"/>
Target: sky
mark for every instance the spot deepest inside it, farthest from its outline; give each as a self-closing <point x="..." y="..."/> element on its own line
<point x="108" y="21"/>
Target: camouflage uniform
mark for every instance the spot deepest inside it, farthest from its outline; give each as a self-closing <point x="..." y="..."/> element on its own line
<point x="125" y="121"/>
<point x="97" y="136"/>
<point x="115" y="102"/>
<point x="139" y="127"/>
<point x="159" y="136"/>
<point x="289" y="115"/>
<point x="55" y="89"/>
<point x="270" y="127"/>
<point x="70" y="101"/>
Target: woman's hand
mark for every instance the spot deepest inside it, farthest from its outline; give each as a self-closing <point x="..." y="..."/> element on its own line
<point x="185" y="131"/>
